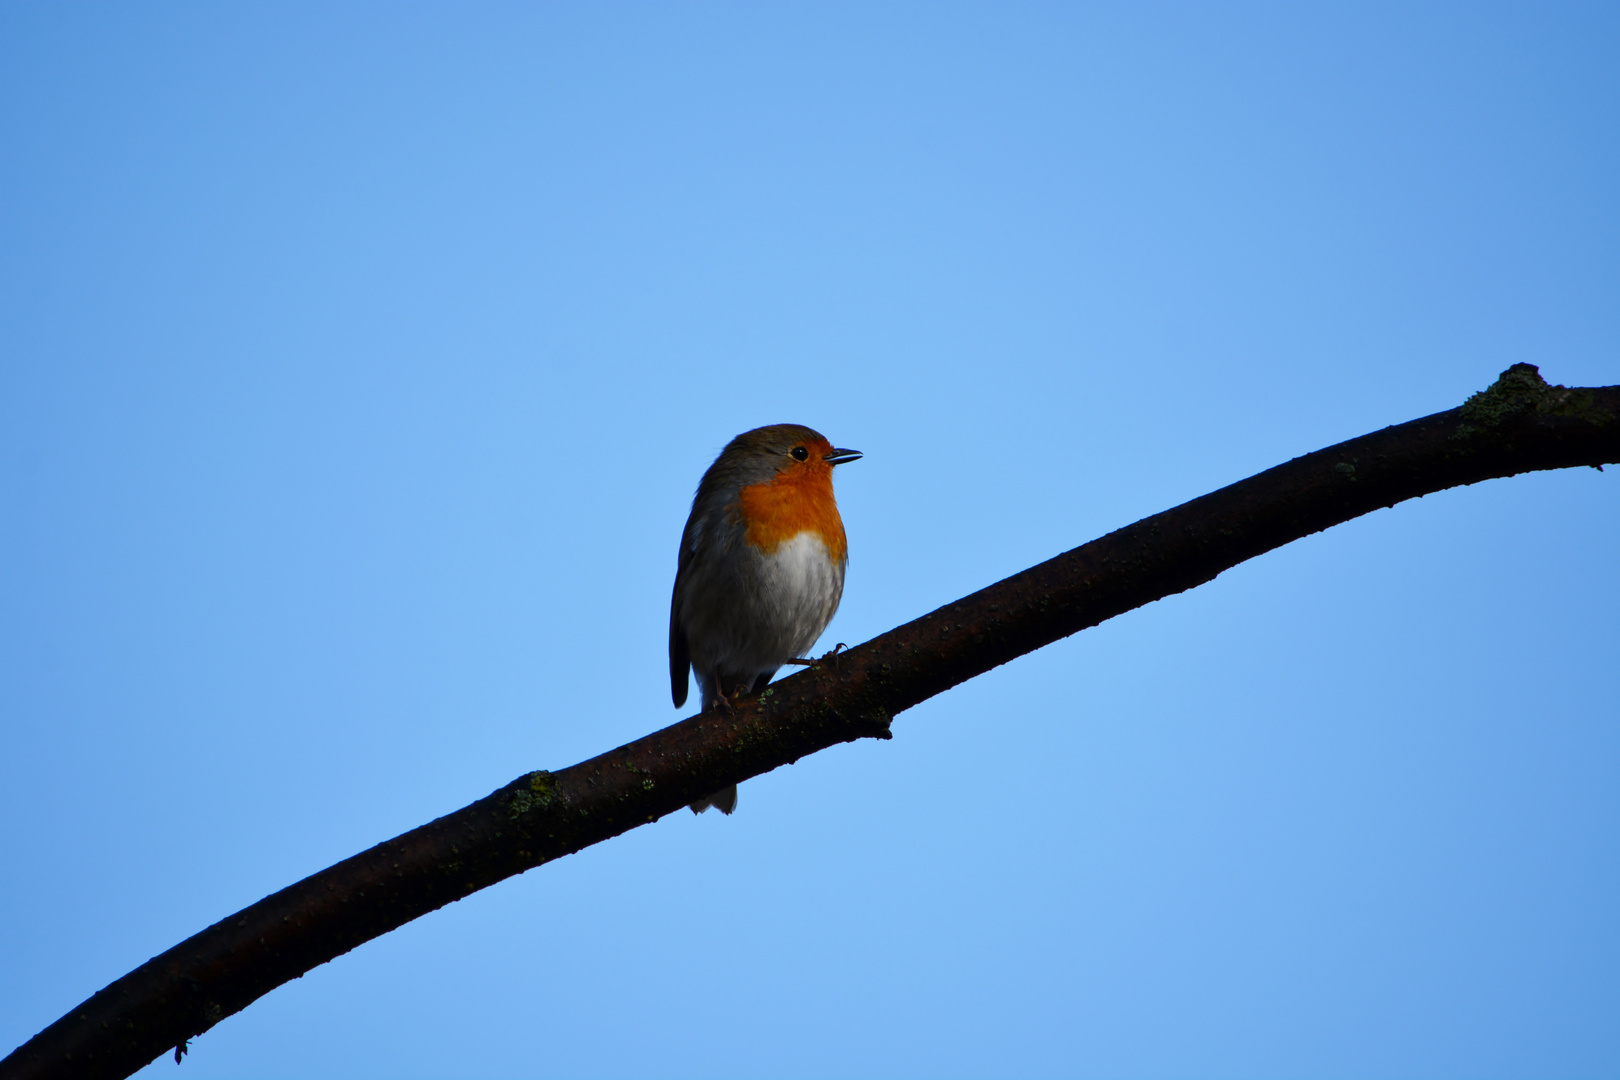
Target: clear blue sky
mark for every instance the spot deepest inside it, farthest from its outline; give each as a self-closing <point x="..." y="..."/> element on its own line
<point x="357" y="364"/>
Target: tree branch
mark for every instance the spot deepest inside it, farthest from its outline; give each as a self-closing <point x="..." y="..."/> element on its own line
<point x="1519" y="424"/>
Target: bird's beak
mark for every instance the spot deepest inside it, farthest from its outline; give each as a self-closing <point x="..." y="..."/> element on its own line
<point x="840" y="457"/>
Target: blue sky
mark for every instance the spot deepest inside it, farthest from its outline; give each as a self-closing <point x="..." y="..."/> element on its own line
<point x="357" y="365"/>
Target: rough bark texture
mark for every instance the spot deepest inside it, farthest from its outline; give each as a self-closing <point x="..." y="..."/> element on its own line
<point x="1517" y="425"/>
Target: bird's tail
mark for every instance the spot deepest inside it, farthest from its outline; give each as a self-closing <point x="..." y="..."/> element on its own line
<point x="724" y="800"/>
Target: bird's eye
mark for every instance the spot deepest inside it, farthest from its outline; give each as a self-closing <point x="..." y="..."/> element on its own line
<point x="799" y="453"/>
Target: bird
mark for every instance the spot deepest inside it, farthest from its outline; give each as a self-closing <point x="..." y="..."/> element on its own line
<point x="761" y="568"/>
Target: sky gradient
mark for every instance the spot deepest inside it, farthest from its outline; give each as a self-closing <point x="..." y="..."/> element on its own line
<point x="358" y="364"/>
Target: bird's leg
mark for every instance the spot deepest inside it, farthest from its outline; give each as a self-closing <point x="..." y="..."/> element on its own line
<point x="720" y="701"/>
<point x="798" y="660"/>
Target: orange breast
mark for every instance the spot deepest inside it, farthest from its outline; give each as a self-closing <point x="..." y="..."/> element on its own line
<point x="797" y="500"/>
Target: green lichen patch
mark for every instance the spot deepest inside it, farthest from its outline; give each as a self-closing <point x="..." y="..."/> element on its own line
<point x="1518" y="388"/>
<point x="518" y="803"/>
<point x="1521" y="388"/>
<point x="538" y="795"/>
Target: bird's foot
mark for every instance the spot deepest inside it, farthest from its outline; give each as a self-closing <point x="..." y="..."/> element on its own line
<point x="722" y="704"/>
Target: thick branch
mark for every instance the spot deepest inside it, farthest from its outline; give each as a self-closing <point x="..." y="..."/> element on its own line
<point x="1518" y="425"/>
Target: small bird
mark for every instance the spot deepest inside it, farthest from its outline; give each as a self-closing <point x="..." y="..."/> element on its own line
<point x="761" y="568"/>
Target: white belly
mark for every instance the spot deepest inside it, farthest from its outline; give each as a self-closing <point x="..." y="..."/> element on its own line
<point x="803" y="584"/>
<point x="775" y="606"/>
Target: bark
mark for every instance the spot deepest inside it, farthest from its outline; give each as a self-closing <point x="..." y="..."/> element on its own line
<point x="1517" y="425"/>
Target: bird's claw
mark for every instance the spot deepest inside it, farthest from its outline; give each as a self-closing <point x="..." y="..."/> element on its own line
<point x="833" y="656"/>
<point x="722" y="704"/>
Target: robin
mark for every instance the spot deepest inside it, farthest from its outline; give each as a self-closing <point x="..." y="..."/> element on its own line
<point x="761" y="568"/>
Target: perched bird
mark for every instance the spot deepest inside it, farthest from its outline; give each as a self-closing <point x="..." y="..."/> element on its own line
<point x="761" y="568"/>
